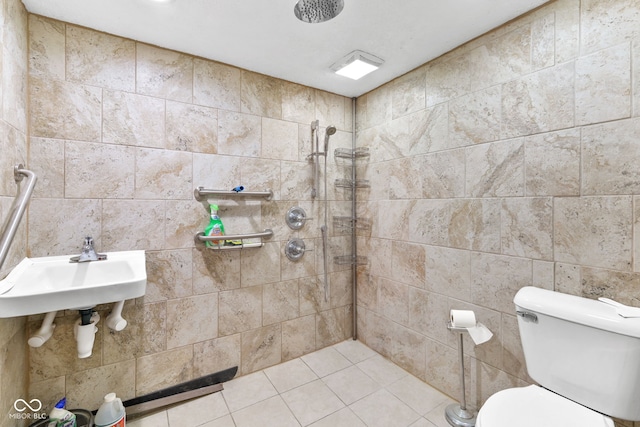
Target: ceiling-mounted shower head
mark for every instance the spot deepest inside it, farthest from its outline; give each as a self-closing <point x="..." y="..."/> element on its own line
<point x="330" y="130"/>
<point x="316" y="11"/>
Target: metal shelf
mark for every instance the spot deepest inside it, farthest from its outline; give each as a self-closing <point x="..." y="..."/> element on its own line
<point x="348" y="183"/>
<point x="348" y="153"/>
<point x="348" y="223"/>
<point x="350" y="260"/>
<point x="200" y="237"/>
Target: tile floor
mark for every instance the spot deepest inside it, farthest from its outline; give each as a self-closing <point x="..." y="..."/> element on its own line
<point x="346" y="385"/>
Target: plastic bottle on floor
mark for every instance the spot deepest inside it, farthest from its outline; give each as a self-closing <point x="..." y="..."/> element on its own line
<point x="111" y="412"/>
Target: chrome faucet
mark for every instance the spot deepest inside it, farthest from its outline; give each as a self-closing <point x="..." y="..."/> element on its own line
<point x="88" y="252"/>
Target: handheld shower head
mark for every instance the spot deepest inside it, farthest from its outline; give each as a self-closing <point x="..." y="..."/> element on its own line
<point x="330" y="130"/>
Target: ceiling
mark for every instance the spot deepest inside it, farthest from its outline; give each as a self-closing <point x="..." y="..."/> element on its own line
<point x="265" y="36"/>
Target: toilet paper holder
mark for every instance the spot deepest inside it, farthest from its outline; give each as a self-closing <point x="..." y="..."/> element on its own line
<point x="457" y="414"/>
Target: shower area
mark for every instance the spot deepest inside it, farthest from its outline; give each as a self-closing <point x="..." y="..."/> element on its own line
<point x="338" y="180"/>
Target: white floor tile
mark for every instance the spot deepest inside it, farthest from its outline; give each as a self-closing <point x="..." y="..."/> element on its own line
<point x="225" y="421"/>
<point x="436" y="415"/>
<point x="312" y="401"/>
<point x="326" y="361"/>
<point x="198" y="411"/>
<point x="343" y="418"/>
<point x="245" y="391"/>
<point x="158" y="419"/>
<point x="422" y="423"/>
<point x="272" y="412"/>
<point x="382" y="370"/>
<point x="420" y="396"/>
<point x="289" y="375"/>
<point x="355" y="351"/>
<point x="382" y="409"/>
<point x="351" y="384"/>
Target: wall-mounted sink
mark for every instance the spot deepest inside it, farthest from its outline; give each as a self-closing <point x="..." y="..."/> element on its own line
<point x="42" y="285"/>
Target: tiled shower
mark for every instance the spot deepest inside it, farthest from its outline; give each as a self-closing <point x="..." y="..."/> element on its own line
<point x="510" y="161"/>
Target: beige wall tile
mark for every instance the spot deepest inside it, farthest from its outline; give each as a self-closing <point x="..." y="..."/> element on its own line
<point x="495" y="169"/>
<point x="46" y="48"/>
<point x="595" y="231"/>
<point x="191" y="320"/>
<point x="215" y="172"/>
<point x="448" y="272"/>
<point x="59" y="226"/>
<point x="527" y="227"/>
<point x="408" y="263"/>
<point x="331" y="327"/>
<point x="552" y="163"/>
<point x="261" y="348"/>
<point x="568" y="278"/>
<point x="169" y="275"/>
<point x="175" y="365"/>
<point x="280" y="302"/>
<point x="409" y="93"/>
<point x="393" y="301"/>
<point x="257" y="267"/>
<point x="298" y="337"/>
<point x="543" y="274"/>
<point x="98" y="170"/>
<point x="121" y="224"/>
<point x="543" y="42"/>
<point x="65" y="110"/>
<point x="216" y="355"/>
<point x="145" y="333"/>
<point x="87" y="389"/>
<point x="426" y="313"/>
<point x="215" y="271"/>
<point x="192" y="128"/>
<point x="131" y="119"/>
<point x="298" y="103"/>
<point x="8" y="144"/>
<point x="495" y="279"/>
<point x="261" y="175"/>
<point x="163" y="73"/>
<point x="163" y="174"/>
<point x="475" y="118"/>
<point x="330" y="109"/>
<point x="239" y="134"/>
<point x="603" y="85"/>
<point x="440" y="174"/>
<point x="606" y="23"/>
<point x="216" y="85"/>
<point x="14" y="91"/>
<point x="261" y="95"/>
<point x="48" y="392"/>
<point x="635" y="78"/>
<point x="240" y="310"/>
<point x="279" y="139"/>
<point x="609" y="153"/>
<point x="312" y="298"/>
<point x="46" y="160"/>
<point x="619" y="285"/>
<point x="539" y="102"/>
<point x="567" y="29"/>
<point x="100" y="59"/>
<point x="183" y="220"/>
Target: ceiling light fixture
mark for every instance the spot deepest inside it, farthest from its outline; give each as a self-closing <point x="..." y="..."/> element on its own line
<point x="357" y="64"/>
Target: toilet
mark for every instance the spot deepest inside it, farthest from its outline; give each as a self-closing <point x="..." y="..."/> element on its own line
<point x="584" y="357"/>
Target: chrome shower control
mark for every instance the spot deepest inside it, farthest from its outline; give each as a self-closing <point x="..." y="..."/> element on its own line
<point x="296" y="217"/>
<point x="295" y="249"/>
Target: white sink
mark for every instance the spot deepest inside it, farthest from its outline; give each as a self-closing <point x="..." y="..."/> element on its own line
<point x="41" y="285"/>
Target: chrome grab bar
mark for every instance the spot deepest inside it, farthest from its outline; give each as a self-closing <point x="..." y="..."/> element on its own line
<point x="266" y="233"/>
<point x="17" y="210"/>
<point x="201" y="193"/>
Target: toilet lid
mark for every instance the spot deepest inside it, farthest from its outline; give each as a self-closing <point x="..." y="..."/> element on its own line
<point x="534" y="406"/>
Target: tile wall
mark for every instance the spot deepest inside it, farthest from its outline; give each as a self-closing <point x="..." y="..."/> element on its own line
<point x="13" y="150"/>
<point x="121" y="133"/>
<point x="526" y="140"/>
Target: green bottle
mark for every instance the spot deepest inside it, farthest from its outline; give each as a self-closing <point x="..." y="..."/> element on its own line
<point x="215" y="228"/>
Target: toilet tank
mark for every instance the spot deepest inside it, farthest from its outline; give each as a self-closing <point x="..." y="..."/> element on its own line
<point x="581" y="349"/>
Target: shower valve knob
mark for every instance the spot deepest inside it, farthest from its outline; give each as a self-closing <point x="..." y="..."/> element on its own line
<point x="296" y="217"/>
<point x="295" y="249"/>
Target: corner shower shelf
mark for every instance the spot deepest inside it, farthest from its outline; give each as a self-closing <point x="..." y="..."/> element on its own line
<point x="348" y="183"/>
<point x="348" y="223"/>
<point x="348" y="153"/>
<point x="350" y="260"/>
<point x="202" y="193"/>
<point x="200" y="237"/>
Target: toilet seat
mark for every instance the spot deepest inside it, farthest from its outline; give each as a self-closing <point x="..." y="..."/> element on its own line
<point x="534" y="406"/>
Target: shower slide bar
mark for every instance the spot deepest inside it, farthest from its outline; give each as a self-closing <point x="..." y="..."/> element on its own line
<point x="200" y="237"/>
<point x="17" y="209"/>
<point x="202" y="193"/>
